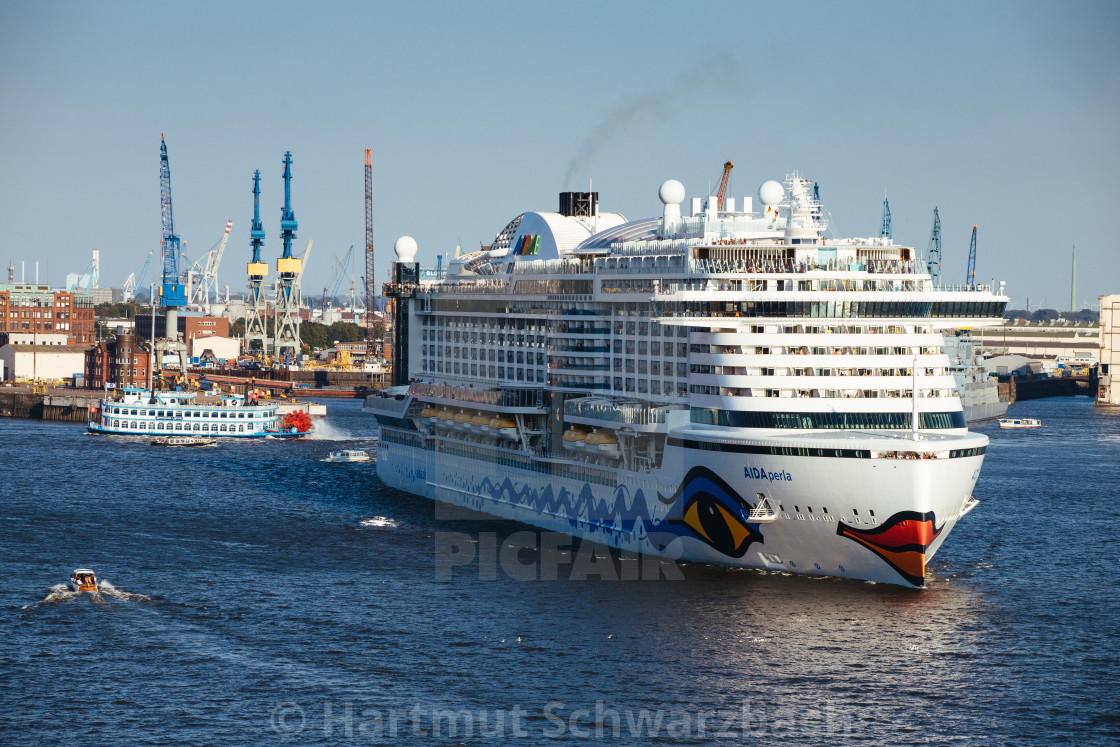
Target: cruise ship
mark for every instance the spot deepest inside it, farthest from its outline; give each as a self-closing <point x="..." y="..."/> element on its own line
<point x="732" y="386"/>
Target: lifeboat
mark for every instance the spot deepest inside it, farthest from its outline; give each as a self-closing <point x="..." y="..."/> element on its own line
<point x="573" y="438"/>
<point x="505" y="427"/>
<point x="602" y="442"/>
<point x="82" y="579"/>
<point x="444" y="416"/>
<point x="461" y="421"/>
<point x="480" y="423"/>
<point x="429" y="413"/>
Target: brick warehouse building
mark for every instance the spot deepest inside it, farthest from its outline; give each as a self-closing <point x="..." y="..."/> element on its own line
<point x="29" y="307"/>
<point x="119" y="361"/>
<point x="190" y="327"/>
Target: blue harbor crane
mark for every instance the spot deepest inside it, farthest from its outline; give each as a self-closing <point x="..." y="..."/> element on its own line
<point x="933" y="251"/>
<point x="172" y="289"/>
<point x="886" y="230"/>
<point x="288" y="223"/>
<point x="256" y="336"/>
<point x="256" y="230"/>
<point x="289" y="270"/>
<point x="970" y="278"/>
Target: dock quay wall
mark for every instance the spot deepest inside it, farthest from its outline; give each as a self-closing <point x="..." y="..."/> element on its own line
<point x="1019" y="388"/>
<point x="67" y="407"/>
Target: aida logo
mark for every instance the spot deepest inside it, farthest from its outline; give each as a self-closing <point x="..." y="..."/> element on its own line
<point x="754" y="473"/>
<point x="529" y="245"/>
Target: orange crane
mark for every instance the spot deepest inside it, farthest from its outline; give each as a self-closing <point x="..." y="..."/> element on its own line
<point x="723" y="184"/>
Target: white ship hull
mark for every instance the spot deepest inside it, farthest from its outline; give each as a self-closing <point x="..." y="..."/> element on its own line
<point x="982" y="403"/>
<point x="875" y="520"/>
<point x="729" y="386"/>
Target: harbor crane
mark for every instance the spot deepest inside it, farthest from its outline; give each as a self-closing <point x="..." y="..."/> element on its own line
<point x="172" y="289"/>
<point x="344" y="272"/>
<point x="933" y="251"/>
<point x="370" y="276"/>
<point x="207" y="274"/>
<point x="885" y="232"/>
<point x="134" y="281"/>
<point x="289" y="269"/>
<point x="340" y="273"/>
<point x="970" y="277"/>
<point x="256" y="336"/>
<point x="721" y="194"/>
<point x="90" y="277"/>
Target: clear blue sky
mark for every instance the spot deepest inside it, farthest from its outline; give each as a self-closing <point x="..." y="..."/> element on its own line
<point x="1003" y="114"/>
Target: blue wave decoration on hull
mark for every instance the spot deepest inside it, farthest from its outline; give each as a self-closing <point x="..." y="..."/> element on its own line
<point x="704" y="507"/>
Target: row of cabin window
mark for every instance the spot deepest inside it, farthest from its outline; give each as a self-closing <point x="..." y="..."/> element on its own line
<point x="142" y="425"/>
<point x="188" y="413"/>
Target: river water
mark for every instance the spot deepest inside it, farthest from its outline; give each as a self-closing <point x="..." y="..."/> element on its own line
<point x="260" y="595"/>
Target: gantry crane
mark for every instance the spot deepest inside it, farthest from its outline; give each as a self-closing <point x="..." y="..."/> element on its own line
<point x="288" y="270"/>
<point x="256" y="334"/>
<point x="207" y="274"/>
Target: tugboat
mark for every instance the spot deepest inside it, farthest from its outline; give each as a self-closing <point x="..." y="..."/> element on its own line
<point x="82" y="579"/>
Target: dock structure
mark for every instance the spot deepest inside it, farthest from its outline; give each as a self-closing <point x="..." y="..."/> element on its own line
<point x="1041" y="341"/>
<point x="57" y="405"/>
<point x="1108" y="394"/>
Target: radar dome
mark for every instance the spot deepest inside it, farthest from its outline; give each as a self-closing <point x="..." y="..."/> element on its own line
<point x="771" y="193"/>
<point x="405" y="249"/>
<point x="671" y="192"/>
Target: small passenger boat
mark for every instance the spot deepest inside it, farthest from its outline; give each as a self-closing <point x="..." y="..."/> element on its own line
<point x="1020" y="423"/>
<point x="349" y="456"/>
<point x="82" y="579"/>
<point x="184" y="441"/>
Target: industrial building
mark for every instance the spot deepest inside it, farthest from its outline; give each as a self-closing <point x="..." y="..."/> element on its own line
<point x="1058" y="341"/>
<point x="34" y="308"/>
<point x="29" y="357"/>
<point x="190" y="326"/>
<point x="1108" y="393"/>
<point x="215" y="348"/>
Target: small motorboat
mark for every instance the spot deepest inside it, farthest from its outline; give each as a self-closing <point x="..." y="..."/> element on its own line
<point x="349" y="455"/>
<point x="184" y="441"/>
<point x="82" y="579"/>
<point x="1020" y="423"/>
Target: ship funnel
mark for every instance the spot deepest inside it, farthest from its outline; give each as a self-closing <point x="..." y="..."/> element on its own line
<point x="579" y="204"/>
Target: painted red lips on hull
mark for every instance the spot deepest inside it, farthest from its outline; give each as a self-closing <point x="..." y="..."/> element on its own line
<point x="901" y="541"/>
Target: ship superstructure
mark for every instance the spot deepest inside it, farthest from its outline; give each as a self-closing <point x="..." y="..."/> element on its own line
<point x="731" y="386"/>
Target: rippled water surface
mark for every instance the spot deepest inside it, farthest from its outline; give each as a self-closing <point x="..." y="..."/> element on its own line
<point x="259" y="595"/>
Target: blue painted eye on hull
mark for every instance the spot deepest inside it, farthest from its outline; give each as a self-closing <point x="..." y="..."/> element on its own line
<point x="708" y="508"/>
